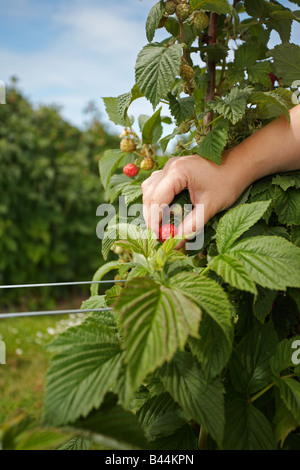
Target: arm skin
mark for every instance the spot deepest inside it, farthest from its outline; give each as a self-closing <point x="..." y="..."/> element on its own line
<point x="272" y="149"/>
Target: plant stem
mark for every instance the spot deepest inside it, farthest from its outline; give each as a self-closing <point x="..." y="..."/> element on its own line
<point x="262" y="392"/>
<point x="211" y="68"/>
<point x="202" y="439"/>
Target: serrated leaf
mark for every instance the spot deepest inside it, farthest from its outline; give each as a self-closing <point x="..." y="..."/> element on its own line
<point x="287" y="206"/>
<point x="255" y="8"/>
<point x="286" y="62"/>
<point x="201" y="400"/>
<point x="295" y="236"/>
<point x="216" y="52"/>
<point x="270" y="104"/>
<point x="153" y="19"/>
<point x="289" y="390"/>
<point x="181" y="109"/>
<point x="214" y="143"/>
<point x="131" y="193"/>
<point x="77" y="381"/>
<point x="161" y="416"/>
<point x="247" y="428"/>
<point x="233" y="106"/>
<point x="212" y="349"/>
<point x="112" y="109"/>
<point x="77" y="443"/>
<point x="210" y="297"/>
<point x="156" y="322"/>
<point x="258" y="73"/>
<point x="113" y="427"/>
<point x="237" y="221"/>
<point x="219" y="6"/>
<point x="183" y="439"/>
<point x="245" y="56"/>
<point x="156" y="68"/>
<point x="263" y="303"/>
<point x="249" y="366"/>
<point x="284" y="422"/>
<point x="283" y="356"/>
<point x="272" y="262"/>
<point x="233" y="272"/>
<point x="287" y="181"/>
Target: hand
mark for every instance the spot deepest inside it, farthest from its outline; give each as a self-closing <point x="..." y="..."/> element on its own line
<point x="208" y="183"/>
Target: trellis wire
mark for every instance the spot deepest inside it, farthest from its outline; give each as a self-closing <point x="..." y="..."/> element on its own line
<point x="55" y="312"/>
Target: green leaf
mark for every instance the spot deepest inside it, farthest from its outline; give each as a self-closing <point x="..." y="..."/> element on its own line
<point x="258" y="73"/>
<point x="249" y="366"/>
<point x="156" y="322"/>
<point x="39" y="439"/>
<point x="153" y="19"/>
<point x="108" y="164"/>
<point x="78" y="380"/>
<point x="112" y="109"/>
<point x="245" y="56"/>
<point x="247" y="428"/>
<point x="152" y="129"/>
<point x="263" y="303"/>
<point x="288" y="180"/>
<point x="213" y="349"/>
<point x="286" y="62"/>
<point x="233" y="106"/>
<point x="287" y="206"/>
<point x="284" y="422"/>
<point x="272" y="262"/>
<point x="295" y="236"/>
<point x="182" y="109"/>
<point x="219" y="6"/>
<point x="183" y="439"/>
<point x="270" y="104"/>
<point x="214" y="143"/>
<point x="289" y="390"/>
<point x="255" y="8"/>
<point x="283" y="357"/>
<point x="237" y="221"/>
<point x="131" y="193"/>
<point x="161" y="416"/>
<point x="202" y="401"/>
<point x="156" y="68"/>
<point x="216" y="52"/>
<point x="113" y="427"/>
<point x="77" y="443"/>
<point x="125" y="100"/>
<point x="210" y="297"/>
<point x="233" y="272"/>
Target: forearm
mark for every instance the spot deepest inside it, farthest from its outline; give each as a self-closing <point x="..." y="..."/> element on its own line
<point x="273" y="149"/>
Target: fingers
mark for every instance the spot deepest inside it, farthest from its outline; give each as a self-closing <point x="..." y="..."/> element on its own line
<point x="159" y="191"/>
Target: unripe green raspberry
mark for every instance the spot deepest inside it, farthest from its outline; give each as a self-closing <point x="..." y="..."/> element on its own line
<point x="170" y="8"/>
<point x="200" y="21"/>
<point x="127" y="145"/>
<point x="183" y="11"/>
<point x="147" y="164"/>
<point x="184" y="127"/>
<point x="186" y="72"/>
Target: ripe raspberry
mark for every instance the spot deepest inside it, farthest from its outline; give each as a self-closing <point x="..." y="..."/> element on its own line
<point x="184" y="127"/>
<point x="147" y="164"/>
<point x="273" y="78"/>
<point x="183" y="11"/>
<point x="170" y="8"/>
<point x="167" y="231"/>
<point x="127" y="145"/>
<point x="131" y="170"/>
<point x="200" y="21"/>
<point x="186" y="72"/>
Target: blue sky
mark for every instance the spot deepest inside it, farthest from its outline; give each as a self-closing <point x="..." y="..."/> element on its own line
<point x="70" y="52"/>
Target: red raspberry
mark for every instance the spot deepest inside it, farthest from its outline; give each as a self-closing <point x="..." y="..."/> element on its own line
<point x="131" y="170"/>
<point x="273" y="78"/>
<point x="166" y="231"/>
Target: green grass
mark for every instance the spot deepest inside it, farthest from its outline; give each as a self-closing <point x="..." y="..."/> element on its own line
<point x="22" y="378"/>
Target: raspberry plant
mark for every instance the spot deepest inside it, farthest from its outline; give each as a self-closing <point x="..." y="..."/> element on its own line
<point x="197" y="351"/>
